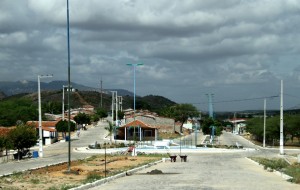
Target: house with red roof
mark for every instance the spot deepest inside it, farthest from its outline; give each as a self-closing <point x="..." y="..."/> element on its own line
<point x="49" y="132"/>
<point x="4" y="131"/>
<point x="138" y="129"/>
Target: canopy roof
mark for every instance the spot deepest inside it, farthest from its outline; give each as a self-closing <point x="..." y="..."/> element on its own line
<point x="138" y="123"/>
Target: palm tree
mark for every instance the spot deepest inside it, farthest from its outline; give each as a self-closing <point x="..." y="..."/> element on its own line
<point x="110" y="129"/>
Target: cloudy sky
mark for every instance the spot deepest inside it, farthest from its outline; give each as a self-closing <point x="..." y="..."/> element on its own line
<point x="234" y="49"/>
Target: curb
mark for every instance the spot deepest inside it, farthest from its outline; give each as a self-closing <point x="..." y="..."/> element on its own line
<point x="36" y="168"/>
<point x="111" y="178"/>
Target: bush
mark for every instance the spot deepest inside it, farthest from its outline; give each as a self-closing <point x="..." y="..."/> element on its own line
<point x="92" y="177"/>
<point x="275" y="164"/>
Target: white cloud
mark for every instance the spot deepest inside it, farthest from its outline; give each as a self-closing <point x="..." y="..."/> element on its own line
<point x="13" y="39"/>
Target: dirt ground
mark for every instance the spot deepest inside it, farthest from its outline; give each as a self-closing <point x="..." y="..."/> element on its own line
<point x="83" y="171"/>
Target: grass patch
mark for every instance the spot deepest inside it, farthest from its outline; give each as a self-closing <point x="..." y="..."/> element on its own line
<point x="35" y="181"/>
<point x="55" y="177"/>
<point x="92" y="177"/>
<point x="294" y="171"/>
<point x="282" y="166"/>
<point x="274" y="164"/>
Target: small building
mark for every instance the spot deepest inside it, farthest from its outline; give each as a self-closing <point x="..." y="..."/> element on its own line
<point x="88" y="108"/>
<point x="143" y="131"/>
<point x="239" y="125"/>
<point x="49" y="131"/>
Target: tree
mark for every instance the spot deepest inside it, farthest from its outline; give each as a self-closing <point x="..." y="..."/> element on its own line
<point x="62" y="126"/>
<point x="17" y="109"/>
<point x="2" y="143"/>
<point x="292" y="126"/>
<point x="82" y="118"/>
<point x="101" y="112"/>
<point x="5" y="144"/>
<point x="95" y="118"/>
<point x="120" y="115"/>
<point x="52" y="107"/>
<point x="110" y="129"/>
<point x="255" y="127"/>
<point x="22" y="137"/>
<point x="207" y="126"/>
<point x="181" y="113"/>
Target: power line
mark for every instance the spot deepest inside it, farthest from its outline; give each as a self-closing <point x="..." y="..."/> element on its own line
<point x="240" y="100"/>
<point x="293" y="96"/>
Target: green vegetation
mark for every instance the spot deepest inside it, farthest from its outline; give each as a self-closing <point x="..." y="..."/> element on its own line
<point x="92" y="177"/>
<point x="207" y="127"/>
<point x="291" y="128"/>
<point x="24" y="107"/>
<point x="110" y="128"/>
<point x="274" y="164"/>
<point x="22" y="137"/>
<point x="62" y="126"/>
<point x="82" y="118"/>
<point x="35" y="181"/>
<point x="17" y="109"/>
<point x="282" y="166"/>
<point x="181" y="113"/>
<point x="101" y="112"/>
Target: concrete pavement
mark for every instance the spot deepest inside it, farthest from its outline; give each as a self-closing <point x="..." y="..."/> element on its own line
<point x="58" y="152"/>
<point x="204" y="172"/>
<point x="204" y="169"/>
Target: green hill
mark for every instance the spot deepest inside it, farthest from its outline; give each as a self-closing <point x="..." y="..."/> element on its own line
<point x="80" y="98"/>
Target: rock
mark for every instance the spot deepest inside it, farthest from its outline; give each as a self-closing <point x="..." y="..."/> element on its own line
<point x="156" y="171"/>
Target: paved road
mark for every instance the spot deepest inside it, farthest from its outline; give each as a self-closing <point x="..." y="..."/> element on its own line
<point x="204" y="172"/>
<point x="228" y="138"/>
<point x="58" y="152"/>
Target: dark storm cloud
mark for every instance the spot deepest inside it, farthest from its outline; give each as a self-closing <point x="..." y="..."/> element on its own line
<point x="233" y="48"/>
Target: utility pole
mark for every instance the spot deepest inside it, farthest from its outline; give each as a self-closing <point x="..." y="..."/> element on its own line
<point x="265" y="105"/>
<point x="120" y="103"/>
<point x="112" y="106"/>
<point x="41" y="153"/>
<point x="281" y="119"/>
<point x="117" y="107"/>
<point x="101" y="92"/>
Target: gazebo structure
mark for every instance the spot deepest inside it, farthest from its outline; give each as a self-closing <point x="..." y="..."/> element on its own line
<point x="143" y="131"/>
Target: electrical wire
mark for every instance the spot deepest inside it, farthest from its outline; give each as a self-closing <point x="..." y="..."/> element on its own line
<point x="240" y="100"/>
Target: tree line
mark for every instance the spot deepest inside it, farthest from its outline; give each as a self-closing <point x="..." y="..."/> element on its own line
<point x="291" y="126"/>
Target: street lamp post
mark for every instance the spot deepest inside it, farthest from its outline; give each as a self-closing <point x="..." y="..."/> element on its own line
<point x="134" y="65"/>
<point x="40" y="114"/>
<point x="264" y="138"/>
<point x="69" y="87"/>
<point x="112" y="105"/>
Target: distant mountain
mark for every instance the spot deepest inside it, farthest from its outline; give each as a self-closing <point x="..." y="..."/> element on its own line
<point x="20" y="87"/>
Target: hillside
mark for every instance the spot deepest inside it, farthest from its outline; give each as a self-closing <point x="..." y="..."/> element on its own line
<point x="19" y="87"/>
<point x="2" y="95"/>
<point x="80" y="98"/>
